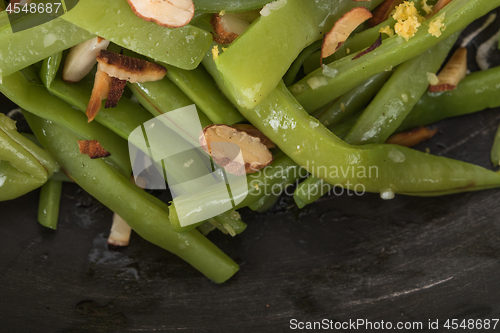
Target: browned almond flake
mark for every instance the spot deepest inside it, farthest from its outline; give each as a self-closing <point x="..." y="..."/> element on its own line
<point x="166" y="13"/>
<point x="383" y="11"/>
<point x="115" y="92"/>
<point x="92" y="148"/>
<point x="377" y="43"/>
<point x="342" y="29"/>
<point x="100" y="91"/>
<point x="253" y="131"/>
<point x="130" y="69"/>
<point x="453" y="72"/>
<point x="255" y="154"/>
<point x="412" y="138"/>
<point x="221" y="36"/>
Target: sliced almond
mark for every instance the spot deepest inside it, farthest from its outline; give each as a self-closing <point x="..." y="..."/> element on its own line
<point x="253" y="131"/>
<point x="115" y="92"/>
<point x="120" y="232"/>
<point x="92" y="148"/>
<point x="412" y="138"/>
<point x="342" y="29"/>
<point x="100" y="91"/>
<point x="437" y="7"/>
<point x="383" y="11"/>
<point x="255" y="154"/>
<point x="228" y="27"/>
<point x="81" y="58"/>
<point x="129" y="69"/>
<point x="167" y="13"/>
<point x="453" y="72"/>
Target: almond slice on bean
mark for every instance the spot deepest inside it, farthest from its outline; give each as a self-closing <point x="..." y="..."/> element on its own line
<point x="453" y="72"/>
<point x="255" y="154"/>
<point x="92" y="148"/>
<point x="129" y="69"/>
<point x="100" y="91"/>
<point x="81" y="58"/>
<point x="253" y="131"/>
<point x="228" y="27"/>
<point x="342" y="29"/>
<point x="412" y="138"/>
<point x="115" y="92"/>
<point x="167" y="13"/>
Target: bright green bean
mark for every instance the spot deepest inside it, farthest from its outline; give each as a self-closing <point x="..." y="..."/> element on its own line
<point x="354" y="100"/>
<point x="48" y="206"/>
<point x="147" y="219"/>
<point x="229" y="6"/>
<point x="399" y="95"/>
<point x="393" y="51"/>
<point x="294" y="69"/>
<point x="495" y="150"/>
<point x="114" y="20"/>
<point x="267" y="56"/>
<point x="23" y="48"/>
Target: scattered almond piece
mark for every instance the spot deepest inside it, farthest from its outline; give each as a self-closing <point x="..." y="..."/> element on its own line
<point x="412" y="138"/>
<point x="437" y="7"/>
<point x="228" y="27"/>
<point x="167" y="13"/>
<point x="255" y="154"/>
<point x="115" y="92"/>
<point x="92" y="148"/>
<point x="130" y="69"/>
<point x="342" y="29"/>
<point x="100" y="91"/>
<point x="453" y="72"/>
<point x="383" y="11"/>
<point x="253" y="131"/>
<point x="81" y="58"/>
<point x="120" y="232"/>
<point x="377" y="43"/>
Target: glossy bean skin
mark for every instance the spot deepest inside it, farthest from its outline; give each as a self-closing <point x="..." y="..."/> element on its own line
<point x="114" y="191"/>
<point x="114" y="20"/>
<point x="267" y="56"/>
<point x="393" y="51"/>
<point x="48" y="204"/>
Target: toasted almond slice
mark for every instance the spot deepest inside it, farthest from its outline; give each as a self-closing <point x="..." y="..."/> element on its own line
<point x="437" y="7"/>
<point x="377" y="43"/>
<point x="227" y="27"/>
<point x="255" y="154"/>
<point x="167" y="13"/>
<point x="342" y="29"/>
<point x="100" y="91"/>
<point x="130" y="69"/>
<point x="383" y="11"/>
<point x="92" y="148"/>
<point x="120" y="232"/>
<point x="253" y="131"/>
<point x="115" y="92"/>
<point x="453" y="72"/>
<point x="412" y="138"/>
<point x="81" y="59"/>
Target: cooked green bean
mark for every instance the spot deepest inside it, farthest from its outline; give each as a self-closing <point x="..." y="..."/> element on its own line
<point x="393" y="51"/>
<point x="294" y="69"/>
<point x="229" y="6"/>
<point x="114" y="20"/>
<point x="48" y="205"/>
<point x="147" y="219"/>
<point x="399" y="95"/>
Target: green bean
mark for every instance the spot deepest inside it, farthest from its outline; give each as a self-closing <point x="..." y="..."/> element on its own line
<point x="23" y="165"/>
<point x="49" y="69"/>
<point x="269" y="55"/>
<point x="147" y="219"/>
<point x="35" y="98"/>
<point x="229" y="6"/>
<point x="114" y="20"/>
<point x="399" y="95"/>
<point x="199" y="86"/>
<point x="294" y="69"/>
<point x="48" y="206"/>
<point x="24" y="48"/>
<point x="495" y="150"/>
<point x="478" y="91"/>
<point x="354" y="100"/>
<point x="231" y="221"/>
<point x="393" y="51"/>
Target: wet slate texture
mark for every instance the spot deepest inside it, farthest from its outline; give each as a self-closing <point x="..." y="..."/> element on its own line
<point x="341" y="258"/>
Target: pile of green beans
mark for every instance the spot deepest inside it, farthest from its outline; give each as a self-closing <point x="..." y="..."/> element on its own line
<point x="333" y="134"/>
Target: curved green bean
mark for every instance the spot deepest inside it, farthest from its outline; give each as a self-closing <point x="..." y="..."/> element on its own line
<point x="48" y="205"/>
<point x="147" y="219"/>
<point x="229" y="6"/>
<point x="393" y="51"/>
